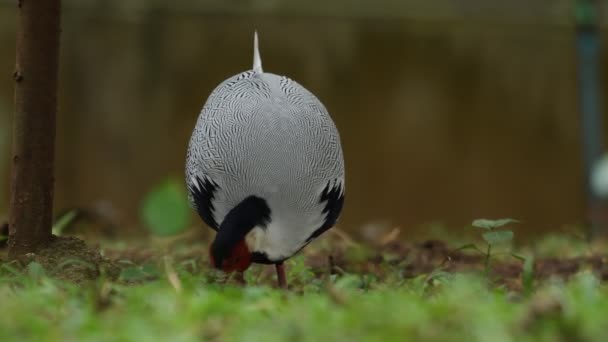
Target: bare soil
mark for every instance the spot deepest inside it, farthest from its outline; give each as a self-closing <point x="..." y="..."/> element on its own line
<point x="415" y="259"/>
<point x="68" y="258"/>
<point x="408" y="259"/>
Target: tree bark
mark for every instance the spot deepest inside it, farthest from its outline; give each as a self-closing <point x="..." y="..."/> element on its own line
<point x="32" y="173"/>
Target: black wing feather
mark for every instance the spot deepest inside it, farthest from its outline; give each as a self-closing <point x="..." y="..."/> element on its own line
<point x="203" y="200"/>
<point x="333" y="196"/>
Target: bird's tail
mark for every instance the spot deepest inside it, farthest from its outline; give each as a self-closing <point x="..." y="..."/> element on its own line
<point x="257" y="60"/>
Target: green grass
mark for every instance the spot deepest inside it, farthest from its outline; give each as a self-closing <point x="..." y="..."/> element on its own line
<point x="158" y="303"/>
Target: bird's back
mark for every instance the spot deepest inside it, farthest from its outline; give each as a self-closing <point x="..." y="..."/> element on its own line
<point x="264" y="135"/>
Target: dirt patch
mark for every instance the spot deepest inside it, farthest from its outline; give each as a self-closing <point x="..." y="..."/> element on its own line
<point x="407" y="260"/>
<point x="414" y="259"/>
<point x="69" y="258"/>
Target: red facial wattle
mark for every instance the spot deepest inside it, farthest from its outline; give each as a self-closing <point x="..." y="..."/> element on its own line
<point x="239" y="259"/>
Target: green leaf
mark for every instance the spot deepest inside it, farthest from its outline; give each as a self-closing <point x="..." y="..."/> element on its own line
<point x="491" y="224"/>
<point x="468" y="246"/>
<point x="518" y="257"/>
<point x="133" y="274"/>
<point x="150" y="269"/>
<point x="63" y="222"/>
<point x="76" y="262"/>
<point x="348" y="281"/>
<point x="439" y="276"/>
<point x="527" y="275"/>
<point x="497" y="237"/>
<point x="35" y="270"/>
<point x="165" y="210"/>
<point x="10" y="269"/>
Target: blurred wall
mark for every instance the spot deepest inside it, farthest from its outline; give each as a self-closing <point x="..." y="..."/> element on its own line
<point x="446" y="114"/>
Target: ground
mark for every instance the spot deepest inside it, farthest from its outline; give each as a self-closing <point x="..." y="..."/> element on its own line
<point x="160" y="289"/>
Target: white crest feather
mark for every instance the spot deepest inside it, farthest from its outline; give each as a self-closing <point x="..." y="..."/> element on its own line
<point x="257" y="60"/>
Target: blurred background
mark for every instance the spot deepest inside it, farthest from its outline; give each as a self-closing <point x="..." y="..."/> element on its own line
<point x="449" y="110"/>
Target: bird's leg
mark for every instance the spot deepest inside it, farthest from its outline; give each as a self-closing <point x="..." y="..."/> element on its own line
<point x="281" y="275"/>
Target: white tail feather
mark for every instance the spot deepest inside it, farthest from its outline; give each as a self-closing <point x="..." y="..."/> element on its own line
<point x="257" y="60"/>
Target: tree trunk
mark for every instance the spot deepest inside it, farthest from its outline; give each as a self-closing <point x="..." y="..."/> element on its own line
<point x="32" y="174"/>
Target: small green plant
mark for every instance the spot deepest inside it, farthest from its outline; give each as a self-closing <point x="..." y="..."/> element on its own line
<point x="165" y="209"/>
<point x="35" y="270"/>
<point x="527" y="276"/>
<point x="493" y="237"/>
<point x="298" y="271"/>
<point x="138" y="273"/>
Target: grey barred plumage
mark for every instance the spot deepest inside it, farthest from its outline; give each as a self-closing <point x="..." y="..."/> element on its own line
<point x="264" y="135"/>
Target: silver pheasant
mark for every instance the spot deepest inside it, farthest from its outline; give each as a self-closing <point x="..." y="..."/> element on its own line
<point x="264" y="169"/>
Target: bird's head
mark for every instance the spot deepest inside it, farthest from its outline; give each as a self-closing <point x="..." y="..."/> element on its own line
<point x="229" y="250"/>
<point x="236" y="259"/>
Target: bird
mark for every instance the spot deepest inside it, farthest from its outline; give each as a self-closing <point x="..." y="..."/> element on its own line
<point x="264" y="169"/>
